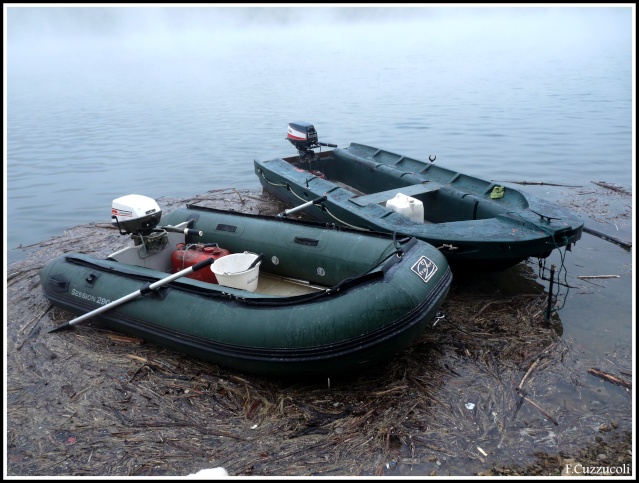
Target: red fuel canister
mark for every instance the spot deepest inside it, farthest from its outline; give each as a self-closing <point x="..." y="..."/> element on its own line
<point x="186" y="255"/>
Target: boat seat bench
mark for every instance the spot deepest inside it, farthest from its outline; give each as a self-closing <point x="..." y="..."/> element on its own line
<point x="383" y="196"/>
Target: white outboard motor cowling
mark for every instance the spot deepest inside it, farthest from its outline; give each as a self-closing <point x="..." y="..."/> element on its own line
<point x="135" y="214"/>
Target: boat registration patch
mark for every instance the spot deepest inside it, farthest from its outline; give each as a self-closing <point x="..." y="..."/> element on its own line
<point x="425" y="268"/>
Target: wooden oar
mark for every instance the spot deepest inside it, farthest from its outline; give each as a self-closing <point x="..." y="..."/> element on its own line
<point x="302" y="206"/>
<point x="137" y="293"/>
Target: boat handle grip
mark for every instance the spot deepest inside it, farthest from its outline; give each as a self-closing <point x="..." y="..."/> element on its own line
<point x="202" y="264"/>
<point x="302" y="206"/>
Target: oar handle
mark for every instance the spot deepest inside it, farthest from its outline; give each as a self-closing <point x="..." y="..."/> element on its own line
<point x="186" y="231"/>
<point x="202" y="264"/>
<point x="303" y="206"/>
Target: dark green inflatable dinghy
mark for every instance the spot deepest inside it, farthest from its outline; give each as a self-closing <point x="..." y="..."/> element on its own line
<point x="319" y="300"/>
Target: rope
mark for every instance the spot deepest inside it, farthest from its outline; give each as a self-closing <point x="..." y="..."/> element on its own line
<point x="184" y="250"/>
<point x="562" y="268"/>
<point x="273" y="184"/>
<point x="343" y="222"/>
<point x="562" y="257"/>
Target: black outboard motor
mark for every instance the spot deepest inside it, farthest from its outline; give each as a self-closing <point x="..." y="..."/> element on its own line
<point x="304" y="137"/>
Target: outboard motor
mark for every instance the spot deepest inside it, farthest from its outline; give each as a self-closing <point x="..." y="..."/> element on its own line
<point x="139" y="216"/>
<point x="135" y="214"/>
<point x="304" y="137"/>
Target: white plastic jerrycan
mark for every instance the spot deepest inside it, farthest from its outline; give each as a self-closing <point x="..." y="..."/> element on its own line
<point x="407" y="206"/>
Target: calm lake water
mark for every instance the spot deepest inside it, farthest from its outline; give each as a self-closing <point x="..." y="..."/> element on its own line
<point x="101" y="103"/>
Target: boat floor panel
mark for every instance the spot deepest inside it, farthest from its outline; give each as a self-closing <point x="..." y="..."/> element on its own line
<point x="348" y="187"/>
<point x="273" y="285"/>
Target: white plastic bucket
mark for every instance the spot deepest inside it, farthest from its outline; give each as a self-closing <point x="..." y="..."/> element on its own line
<point x="232" y="271"/>
<point x="407" y="206"/>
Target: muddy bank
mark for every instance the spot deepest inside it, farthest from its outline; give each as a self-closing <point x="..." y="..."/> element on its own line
<point x="491" y="389"/>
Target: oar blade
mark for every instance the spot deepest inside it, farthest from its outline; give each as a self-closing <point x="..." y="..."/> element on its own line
<point x="66" y="326"/>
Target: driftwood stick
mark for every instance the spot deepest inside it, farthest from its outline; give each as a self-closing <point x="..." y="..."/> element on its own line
<point x="518" y="403"/>
<point x="239" y="196"/>
<point x="538" y="408"/>
<point x="392" y="389"/>
<point x="610" y="378"/>
<point x="36" y="328"/>
<point x="541" y="183"/>
<point x="20" y="275"/>
<point x="44" y="350"/>
<point x="37" y="317"/>
<point x="52" y="241"/>
<point x="603" y="236"/>
<point x="122" y="339"/>
<point x="585" y="277"/>
<point x="612" y="187"/>
<point x="427" y="393"/>
<point x="530" y="369"/>
<point x="203" y="198"/>
<point x="137" y="371"/>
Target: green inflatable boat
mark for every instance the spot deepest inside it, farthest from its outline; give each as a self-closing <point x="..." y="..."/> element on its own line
<point x="476" y="223"/>
<point x="267" y="295"/>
